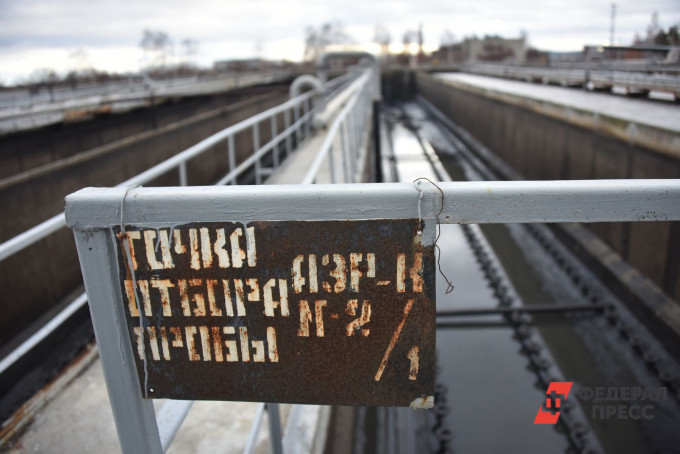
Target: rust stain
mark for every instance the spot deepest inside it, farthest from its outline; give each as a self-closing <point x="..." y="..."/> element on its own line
<point x="14" y="426"/>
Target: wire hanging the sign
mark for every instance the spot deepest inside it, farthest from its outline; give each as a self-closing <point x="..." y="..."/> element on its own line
<point x="418" y="181"/>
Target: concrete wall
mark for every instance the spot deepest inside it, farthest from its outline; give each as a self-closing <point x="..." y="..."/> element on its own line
<point x="38" y="278"/>
<point x="543" y="148"/>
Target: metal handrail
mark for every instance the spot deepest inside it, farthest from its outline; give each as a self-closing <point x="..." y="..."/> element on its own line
<point x="334" y="86"/>
<point x="581" y="76"/>
<point x="446" y="203"/>
<point x="123" y="92"/>
<point x="45" y="228"/>
<point x="57" y="107"/>
<point x="349" y="125"/>
<point x="351" y="86"/>
<point x="178" y="162"/>
<point x="474" y="202"/>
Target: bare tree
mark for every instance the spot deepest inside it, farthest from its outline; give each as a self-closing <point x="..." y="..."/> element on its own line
<point x="82" y="68"/>
<point x="382" y="37"/>
<point x="653" y="28"/>
<point x="317" y="40"/>
<point x="409" y="37"/>
<point x="313" y="44"/>
<point x="81" y="61"/>
<point x="156" y="45"/>
<point x="447" y="38"/>
<point x="189" y="50"/>
<point x="446" y="41"/>
<point x="406" y="39"/>
<point x="43" y="77"/>
<point x="657" y="35"/>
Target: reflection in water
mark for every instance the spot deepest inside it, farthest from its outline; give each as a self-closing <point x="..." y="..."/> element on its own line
<point x="491" y="393"/>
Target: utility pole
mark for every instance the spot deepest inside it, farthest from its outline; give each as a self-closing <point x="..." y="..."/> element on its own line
<point x="611" y="30"/>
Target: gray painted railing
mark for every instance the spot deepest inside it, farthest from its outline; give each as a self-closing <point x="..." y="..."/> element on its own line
<point x="298" y="118"/>
<point x="298" y="115"/>
<point x="347" y="133"/>
<point x="602" y="78"/>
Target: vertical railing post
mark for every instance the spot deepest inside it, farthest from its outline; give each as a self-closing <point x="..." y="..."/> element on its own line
<point x="344" y="143"/>
<point x="183" y="173"/>
<point x="358" y="138"/>
<point x="275" y="428"/>
<point x="232" y="156"/>
<point x="256" y="148"/>
<point x="308" y="122"/>
<point x="274" y="133"/>
<point x="134" y="416"/>
<point x="286" y="125"/>
<point x="352" y="144"/>
<point x="255" y="429"/>
<point x="296" y="117"/>
<point x="331" y="164"/>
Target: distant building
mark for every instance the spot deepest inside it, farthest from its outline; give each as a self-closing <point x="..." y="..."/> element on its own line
<point x="566" y="57"/>
<point x="487" y="49"/>
<point x="253" y="65"/>
<point x="651" y="53"/>
<point x="240" y="65"/>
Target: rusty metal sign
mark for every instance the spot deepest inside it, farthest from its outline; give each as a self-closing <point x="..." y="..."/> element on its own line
<point x="315" y="312"/>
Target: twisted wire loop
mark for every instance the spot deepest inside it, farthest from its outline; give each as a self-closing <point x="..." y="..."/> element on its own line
<point x="417" y="181"/>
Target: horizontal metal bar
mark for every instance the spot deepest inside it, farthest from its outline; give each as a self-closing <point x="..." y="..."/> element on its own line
<point x="334" y="106"/>
<point x="48" y="227"/>
<point x="334" y="86"/>
<point x="32" y="235"/>
<point x="464" y="202"/>
<point x="326" y="145"/>
<point x="42" y="333"/>
<point x="211" y="141"/>
<point x="229" y="177"/>
<point x="170" y="418"/>
<point x="636" y="79"/>
<point x="97" y="98"/>
<point x="533" y="309"/>
<point x="45" y="228"/>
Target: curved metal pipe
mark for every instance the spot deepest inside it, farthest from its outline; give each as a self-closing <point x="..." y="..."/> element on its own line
<point x="322" y="66"/>
<point x="303" y="82"/>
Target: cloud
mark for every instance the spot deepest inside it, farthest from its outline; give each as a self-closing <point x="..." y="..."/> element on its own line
<point x="229" y="29"/>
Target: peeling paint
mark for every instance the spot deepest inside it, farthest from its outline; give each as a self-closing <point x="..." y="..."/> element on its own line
<point x="422" y="403"/>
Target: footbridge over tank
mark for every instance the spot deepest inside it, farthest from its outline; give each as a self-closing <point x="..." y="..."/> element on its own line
<point x="548" y="299"/>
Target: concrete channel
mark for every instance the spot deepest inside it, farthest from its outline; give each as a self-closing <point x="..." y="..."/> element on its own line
<point x="490" y="377"/>
<point x="495" y="360"/>
<point x="50" y="164"/>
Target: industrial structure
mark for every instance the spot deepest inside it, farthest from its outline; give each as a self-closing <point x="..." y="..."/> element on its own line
<point x="569" y="277"/>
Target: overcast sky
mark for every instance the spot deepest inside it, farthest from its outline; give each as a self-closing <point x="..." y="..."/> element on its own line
<point x="45" y="34"/>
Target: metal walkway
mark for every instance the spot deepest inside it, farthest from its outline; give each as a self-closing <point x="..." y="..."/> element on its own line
<point x="343" y="104"/>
